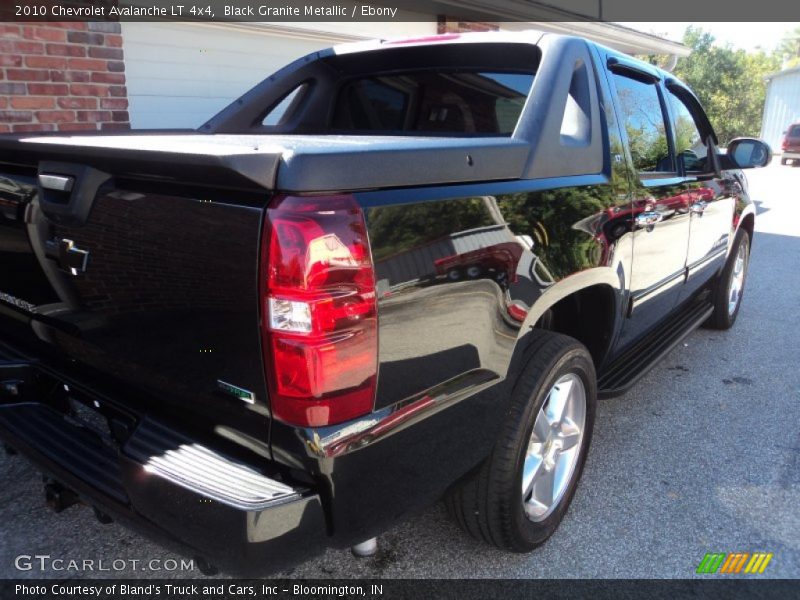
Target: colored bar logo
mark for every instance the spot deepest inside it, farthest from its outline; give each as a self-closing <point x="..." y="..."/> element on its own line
<point x="734" y="562"/>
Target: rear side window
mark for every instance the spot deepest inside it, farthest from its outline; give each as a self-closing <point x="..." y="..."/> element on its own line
<point x="643" y="119"/>
<point x="440" y="102"/>
<point x="372" y="104"/>
<point x="794" y="131"/>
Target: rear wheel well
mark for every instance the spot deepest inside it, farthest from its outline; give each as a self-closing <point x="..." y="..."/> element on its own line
<point x="587" y="316"/>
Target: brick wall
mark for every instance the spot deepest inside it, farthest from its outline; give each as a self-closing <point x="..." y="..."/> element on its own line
<point x="447" y="24"/>
<point x="62" y="77"/>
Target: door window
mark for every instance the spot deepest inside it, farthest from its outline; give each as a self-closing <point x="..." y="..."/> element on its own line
<point x="643" y="119"/>
<point x="689" y="145"/>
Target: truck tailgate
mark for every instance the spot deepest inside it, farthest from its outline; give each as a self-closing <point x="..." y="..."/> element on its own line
<point x="152" y="295"/>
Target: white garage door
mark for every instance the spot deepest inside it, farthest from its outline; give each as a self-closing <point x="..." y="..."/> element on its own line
<point x="181" y="74"/>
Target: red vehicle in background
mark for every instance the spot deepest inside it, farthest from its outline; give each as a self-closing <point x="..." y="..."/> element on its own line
<point x="791" y="145"/>
<point x="498" y="261"/>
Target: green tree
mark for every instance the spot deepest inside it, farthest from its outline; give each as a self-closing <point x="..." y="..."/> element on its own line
<point x="789" y="49"/>
<point x="729" y="83"/>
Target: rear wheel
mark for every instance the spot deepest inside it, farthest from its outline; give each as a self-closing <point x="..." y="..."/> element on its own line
<point x="521" y="493"/>
<point x="784" y="161"/>
<point x="730" y="287"/>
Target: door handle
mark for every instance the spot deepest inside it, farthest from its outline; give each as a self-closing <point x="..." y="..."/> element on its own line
<point x="698" y="207"/>
<point x="648" y="219"/>
<point x="67" y="191"/>
<point x="59" y="183"/>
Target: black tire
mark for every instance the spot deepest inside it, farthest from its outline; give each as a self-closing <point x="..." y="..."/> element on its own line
<point x="723" y="317"/>
<point x="455" y="275"/>
<point x="489" y="505"/>
<point x="784" y="161"/>
<point x="474" y="272"/>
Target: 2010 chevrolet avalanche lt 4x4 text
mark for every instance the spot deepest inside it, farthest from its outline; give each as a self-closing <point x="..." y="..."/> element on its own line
<point x="390" y="273"/>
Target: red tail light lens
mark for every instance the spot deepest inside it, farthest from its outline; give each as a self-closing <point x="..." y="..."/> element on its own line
<point x="785" y="142"/>
<point x="319" y="320"/>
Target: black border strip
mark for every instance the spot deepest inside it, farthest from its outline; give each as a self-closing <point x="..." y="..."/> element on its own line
<point x="619" y="11"/>
<point x="389" y="589"/>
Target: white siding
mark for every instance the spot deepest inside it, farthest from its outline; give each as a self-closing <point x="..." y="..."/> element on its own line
<point x="781" y="108"/>
<point x="181" y="74"/>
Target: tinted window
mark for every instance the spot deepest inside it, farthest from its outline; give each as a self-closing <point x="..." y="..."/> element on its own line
<point x="644" y="123"/>
<point x="372" y="104"/>
<point x="794" y="131"/>
<point x="689" y="146"/>
<point x="438" y="102"/>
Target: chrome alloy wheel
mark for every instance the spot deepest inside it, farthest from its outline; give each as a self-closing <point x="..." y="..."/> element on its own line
<point x="554" y="447"/>
<point x="737" y="279"/>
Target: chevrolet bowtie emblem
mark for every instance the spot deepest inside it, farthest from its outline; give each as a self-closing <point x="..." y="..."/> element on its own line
<point x="68" y="256"/>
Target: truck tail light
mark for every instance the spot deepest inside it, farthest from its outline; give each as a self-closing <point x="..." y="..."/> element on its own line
<point x="318" y="312"/>
<point x="785" y="142"/>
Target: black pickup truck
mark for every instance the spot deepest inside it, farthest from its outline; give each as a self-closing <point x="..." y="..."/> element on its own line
<point x="391" y="273"/>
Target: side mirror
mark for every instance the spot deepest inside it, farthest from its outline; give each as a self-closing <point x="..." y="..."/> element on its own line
<point x="749" y="153"/>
